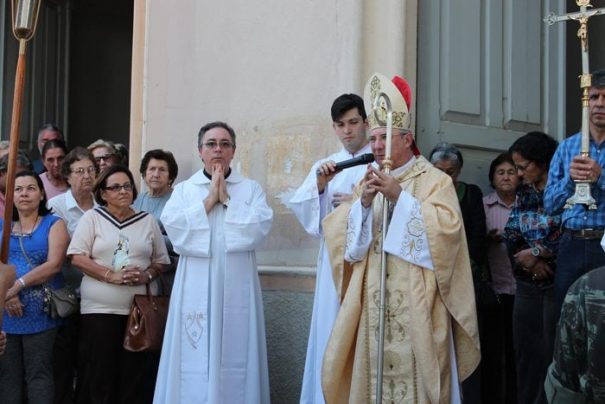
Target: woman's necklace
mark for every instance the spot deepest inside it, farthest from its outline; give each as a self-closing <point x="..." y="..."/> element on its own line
<point x="21" y="232"/>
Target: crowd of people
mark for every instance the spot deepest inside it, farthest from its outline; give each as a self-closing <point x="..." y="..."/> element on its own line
<point x="471" y="288"/>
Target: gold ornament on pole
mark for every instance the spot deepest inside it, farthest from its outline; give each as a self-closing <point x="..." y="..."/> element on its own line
<point x="381" y="108"/>
<point x="389" y="110"/>
<point x="25" y="19"/>
<point x="582" y="195"/>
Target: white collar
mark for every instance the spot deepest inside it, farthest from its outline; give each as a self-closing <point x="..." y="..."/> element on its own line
<point x="71" y="203"/>
<point x="199" y="177"/>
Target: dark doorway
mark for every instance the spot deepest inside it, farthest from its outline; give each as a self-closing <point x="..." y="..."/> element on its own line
<point x="100" y="71"/>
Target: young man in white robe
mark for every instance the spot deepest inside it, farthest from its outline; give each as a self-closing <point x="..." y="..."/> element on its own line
<point x="322" y="191"/>
<point x="431" y="340"/>
<point x="214" y="347"/>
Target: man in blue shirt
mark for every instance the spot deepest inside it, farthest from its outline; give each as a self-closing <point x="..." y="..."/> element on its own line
<point x="579" y="248"/>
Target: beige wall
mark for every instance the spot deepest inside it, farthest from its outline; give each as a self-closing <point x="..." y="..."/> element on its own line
<point x="271" y="69"/>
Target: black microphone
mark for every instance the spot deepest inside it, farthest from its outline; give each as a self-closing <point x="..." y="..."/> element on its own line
<point x="363" y="159"/>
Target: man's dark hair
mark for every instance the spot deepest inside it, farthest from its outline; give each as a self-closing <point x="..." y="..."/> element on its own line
<point x="158" y="154"/>
<point x="537" y="147"/>
<point x="598" y="78"/>
<point x="212" y="125"/>
<point x="42" y="209"/>
<point x="500" y="159"/>
<point x="53" y="144"/>
<point x="345" y="103"/>
<point x="77" y="154"/>
<point x="101" y="182"/>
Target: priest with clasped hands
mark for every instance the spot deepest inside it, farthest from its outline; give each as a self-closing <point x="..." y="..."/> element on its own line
<point x="214" y="347"/>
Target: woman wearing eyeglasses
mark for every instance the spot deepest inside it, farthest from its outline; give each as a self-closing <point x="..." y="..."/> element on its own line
<point x="532" y="238"/>
<point x="105" y="153"/>
<point x="37" y="249"/>
<point x="119" y="250"/>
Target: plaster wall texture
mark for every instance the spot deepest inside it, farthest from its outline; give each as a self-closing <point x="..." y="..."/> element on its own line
<point x="270" y="69"/>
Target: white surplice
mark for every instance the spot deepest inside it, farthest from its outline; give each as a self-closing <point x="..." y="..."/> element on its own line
<point x="214" y="347"/>
<point x="310" y="208"/>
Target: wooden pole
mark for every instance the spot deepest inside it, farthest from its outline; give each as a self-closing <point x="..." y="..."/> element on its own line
<point x="12" y="151"/>
<point x="8" y="271"/>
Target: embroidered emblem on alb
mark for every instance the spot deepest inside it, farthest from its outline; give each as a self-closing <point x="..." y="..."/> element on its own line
<point x="413" y="241"/>
<point x="350" y="233"/>
<point x="193" y="327"/>
<point x="395" y="309"/>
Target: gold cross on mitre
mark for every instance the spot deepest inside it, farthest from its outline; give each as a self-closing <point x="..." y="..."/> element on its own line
<point x="582" y="194"/>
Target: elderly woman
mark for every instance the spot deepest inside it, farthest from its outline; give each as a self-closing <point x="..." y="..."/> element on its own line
<point x="37" y="249"/>
<point x="498" y="206"/>
<point x="80" y="171"/>
<point x="447" y="158"/>
<point x="105" y="153"/>
<point x="119" y="250"/>
<point x="53" y="154"/>
<point x="532" y="237"/>
<point x="159" y="170"/>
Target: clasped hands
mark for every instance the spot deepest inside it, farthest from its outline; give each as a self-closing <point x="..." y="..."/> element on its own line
<point x="374" y="182"/>
<point x="584" y="169"/>
<point x="218" y="188"/>
<point x="130" y="275"/>
<point x="538" y="268"/>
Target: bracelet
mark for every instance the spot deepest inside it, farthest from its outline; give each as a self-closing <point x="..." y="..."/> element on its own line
<point x="21" y="281"/>
<point x="105" y="276"/>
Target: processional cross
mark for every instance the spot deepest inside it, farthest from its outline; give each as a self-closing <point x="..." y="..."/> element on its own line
<point x="582" y="194"/>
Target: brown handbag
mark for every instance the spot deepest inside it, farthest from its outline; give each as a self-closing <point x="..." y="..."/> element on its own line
<point x="146" y="322"/>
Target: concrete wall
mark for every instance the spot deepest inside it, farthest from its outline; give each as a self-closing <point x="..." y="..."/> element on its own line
<point x="271" y="69"/>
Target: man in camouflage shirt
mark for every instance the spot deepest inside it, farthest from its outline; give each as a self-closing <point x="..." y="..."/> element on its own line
<point x="577" y="374"/>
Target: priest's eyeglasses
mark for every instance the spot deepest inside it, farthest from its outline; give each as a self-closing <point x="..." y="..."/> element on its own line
<point x="223" y="145"/>
<point x="117" y="187"/>
<point x="88" y="170"/>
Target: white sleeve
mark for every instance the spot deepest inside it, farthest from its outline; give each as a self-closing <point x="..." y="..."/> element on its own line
<point x="359" y="232"/>
<point x="406" y="237"/>
<point x="186" y="223"/>
<point x="247" y="220"/>
<point x="308" y="205"/>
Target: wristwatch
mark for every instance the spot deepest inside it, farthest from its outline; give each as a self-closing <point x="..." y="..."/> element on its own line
<point x="535" y="251"/>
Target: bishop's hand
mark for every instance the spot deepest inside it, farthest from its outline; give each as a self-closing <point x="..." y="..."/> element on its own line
<point x="379" y="182"/>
